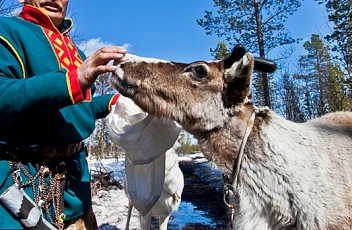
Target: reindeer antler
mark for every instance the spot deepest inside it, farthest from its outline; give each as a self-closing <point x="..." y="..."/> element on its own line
<point x="260" y="64"/>
<point x="264" y="65"/>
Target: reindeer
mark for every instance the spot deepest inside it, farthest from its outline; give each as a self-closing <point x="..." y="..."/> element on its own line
<point x="278" y="174"/>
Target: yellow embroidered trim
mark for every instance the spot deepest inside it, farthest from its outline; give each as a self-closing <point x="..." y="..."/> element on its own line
<point x="51" y="45"/>
<point x="112" y="98"/>
<point x="69" y="88"/>
<point x="16" y="54"/>
<point x="69" y="28"/>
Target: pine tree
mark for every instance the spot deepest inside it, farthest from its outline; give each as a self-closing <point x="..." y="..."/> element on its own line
<point x="337" y="98"/>
<point x="221" y="51"/>
<point x="258" y="25"/>
<point x="291" y="102"/>
<point x="322" y="79"/>
<point x="317" y="63"/>
<point x="340" y="14"/>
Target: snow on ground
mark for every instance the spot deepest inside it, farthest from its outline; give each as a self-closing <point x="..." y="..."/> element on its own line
<point x="111" y="209"/>
<point x="197" y="157"/>
<point x="111" y="206"/>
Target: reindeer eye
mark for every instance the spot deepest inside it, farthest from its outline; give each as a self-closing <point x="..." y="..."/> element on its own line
<point x="200" y="71"/>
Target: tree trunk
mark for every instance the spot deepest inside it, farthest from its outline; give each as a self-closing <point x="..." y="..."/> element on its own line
<point x="102" y="142"/>
<point x="263" y="76"/>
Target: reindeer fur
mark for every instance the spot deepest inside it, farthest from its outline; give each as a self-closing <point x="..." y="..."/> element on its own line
<point x="292" y="176"/>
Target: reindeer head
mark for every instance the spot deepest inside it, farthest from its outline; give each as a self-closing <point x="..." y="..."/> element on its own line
<point x="200" y="95"/>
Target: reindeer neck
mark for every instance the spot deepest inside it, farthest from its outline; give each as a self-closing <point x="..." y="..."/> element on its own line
<point x="222" y="145"/>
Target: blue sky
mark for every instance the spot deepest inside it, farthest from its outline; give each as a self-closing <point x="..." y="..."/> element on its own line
<point x="163" y="29"/>
<point x="168" y="29"/>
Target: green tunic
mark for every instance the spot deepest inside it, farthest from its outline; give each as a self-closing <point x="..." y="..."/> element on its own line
<point x="42" y="104"/>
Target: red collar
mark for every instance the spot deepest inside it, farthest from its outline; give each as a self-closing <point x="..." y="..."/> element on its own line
<point x="39" y="17"/>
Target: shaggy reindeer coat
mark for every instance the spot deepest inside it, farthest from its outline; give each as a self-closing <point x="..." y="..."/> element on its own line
<point x="292" y="176"/>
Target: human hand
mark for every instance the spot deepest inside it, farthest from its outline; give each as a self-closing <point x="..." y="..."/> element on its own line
<point x="97" y="64"/>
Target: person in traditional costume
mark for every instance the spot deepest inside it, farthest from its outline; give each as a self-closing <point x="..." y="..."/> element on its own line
<point x="47" y="110"/>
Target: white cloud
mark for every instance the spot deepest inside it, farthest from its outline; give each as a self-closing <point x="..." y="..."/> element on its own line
<point x="94" y="44"/>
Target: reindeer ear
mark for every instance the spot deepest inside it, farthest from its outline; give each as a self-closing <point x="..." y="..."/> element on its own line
<point x="237" y="54"/>
<point x="238" y="80"/>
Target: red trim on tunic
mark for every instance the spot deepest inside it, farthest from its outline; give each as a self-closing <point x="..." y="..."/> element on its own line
<point x="37" y="16"/>
<point x="66" y="52"/>
<point x="77" y="95"/>
<point x="113" y="101"/>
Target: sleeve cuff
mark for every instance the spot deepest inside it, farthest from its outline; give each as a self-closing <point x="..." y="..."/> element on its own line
<point x="74" y="89"/>
<point x="113" y="101"/>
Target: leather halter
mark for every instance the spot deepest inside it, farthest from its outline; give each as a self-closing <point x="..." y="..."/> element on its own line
<point x="231" y="189"/>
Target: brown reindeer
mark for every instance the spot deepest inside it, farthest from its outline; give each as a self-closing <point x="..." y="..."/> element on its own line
<point x="278" y="174"/>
